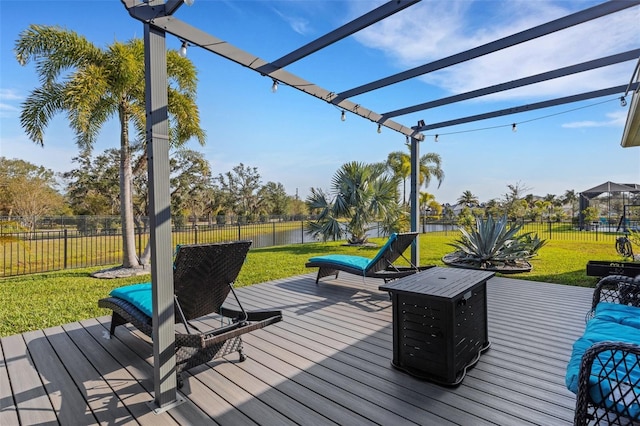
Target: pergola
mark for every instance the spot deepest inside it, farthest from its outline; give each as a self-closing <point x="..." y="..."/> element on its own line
<point x="157" y="17"/>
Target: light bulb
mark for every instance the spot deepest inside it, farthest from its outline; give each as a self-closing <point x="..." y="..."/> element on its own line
<point x="343" y="116"/>
<point x="379" y="128"/>
<point x="274" y="86"/>
<point x="183" y="49"/>
<point x="189" y="2"/>
<point x="514" y="127"/>
<point x="623" y="101"/>
<point x="435" y="139"/>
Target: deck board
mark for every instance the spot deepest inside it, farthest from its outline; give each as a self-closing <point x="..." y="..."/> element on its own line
<point x="328" y="362"/>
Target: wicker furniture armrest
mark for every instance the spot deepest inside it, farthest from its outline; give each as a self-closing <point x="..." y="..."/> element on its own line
<point x="617" y="289"/>
<point x="615" y="364"/>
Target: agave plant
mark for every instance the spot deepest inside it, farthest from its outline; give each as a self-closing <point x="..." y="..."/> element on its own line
<point x="494" y="244"/>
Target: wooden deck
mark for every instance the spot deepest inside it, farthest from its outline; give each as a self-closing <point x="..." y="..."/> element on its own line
<point x="327" y="362"/>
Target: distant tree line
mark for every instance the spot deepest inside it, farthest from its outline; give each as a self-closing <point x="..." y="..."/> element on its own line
<point x="92" y="188"/>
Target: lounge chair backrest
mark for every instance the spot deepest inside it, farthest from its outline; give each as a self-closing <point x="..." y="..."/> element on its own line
<point x="391" y="251"/>
<point x="202" y="274"/>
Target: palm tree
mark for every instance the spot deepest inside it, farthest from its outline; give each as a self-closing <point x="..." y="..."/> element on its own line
<point x="430" y="167"/>
<point x="400" y="165"/>
<point x="468" y="199"/>
<point x="570" y="198"/>
<point x="426" y="199"/>
<point x="360" y="194"/>
<point x="93" y="85"/>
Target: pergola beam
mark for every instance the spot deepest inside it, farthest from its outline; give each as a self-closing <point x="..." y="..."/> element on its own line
<point x="561" y="72"/>
<point x="529" y="107"/>
<point x="346" y="30"/>
<point x="526" y="35"/>
<point x="197" y="37"/>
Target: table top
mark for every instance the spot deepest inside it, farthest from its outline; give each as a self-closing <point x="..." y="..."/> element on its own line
<point x="439" y="282"/>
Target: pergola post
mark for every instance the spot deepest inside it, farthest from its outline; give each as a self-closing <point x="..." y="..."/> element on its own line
<point x="414" y="199"/>
<point x="164" y="366"/>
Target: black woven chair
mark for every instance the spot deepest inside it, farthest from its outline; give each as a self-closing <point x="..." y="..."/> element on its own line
<point x="380" y="266"/>
<point x="203" y="278"/>
<point x="608" y="391"/>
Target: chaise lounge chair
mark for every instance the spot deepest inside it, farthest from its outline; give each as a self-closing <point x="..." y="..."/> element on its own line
<point x="381" y="266"/>
<point x="203" y="276"/>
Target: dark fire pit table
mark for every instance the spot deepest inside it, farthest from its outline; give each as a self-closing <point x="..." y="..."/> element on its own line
<point x="439" y="322"/>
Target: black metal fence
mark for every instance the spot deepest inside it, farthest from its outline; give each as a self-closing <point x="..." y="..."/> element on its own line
<point x="42" y="251"/>
<point x="552" y="230"/>
<point x="98" y="241"/>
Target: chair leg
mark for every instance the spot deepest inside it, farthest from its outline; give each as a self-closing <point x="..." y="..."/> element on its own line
<point x="116" y="320"/>
<point x="179" y="380"/>
<point x="325" y="272"/>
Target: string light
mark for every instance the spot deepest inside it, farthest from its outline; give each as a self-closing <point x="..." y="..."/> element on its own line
<point x="379" y="128"/>
<point x="274" y="86"/>
<point x="623" y="101"/>
<point x="189" y="2"/>
<point x="514" y="127"/>
<point x="343" y="116"/>
<point x="183" y="49"/>
<point x="435" y="139"/>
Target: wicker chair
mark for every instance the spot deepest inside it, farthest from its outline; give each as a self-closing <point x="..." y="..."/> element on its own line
<point x="203" y="278"/>
<point x="608" y="383"/>
<point x="381" y="266"/>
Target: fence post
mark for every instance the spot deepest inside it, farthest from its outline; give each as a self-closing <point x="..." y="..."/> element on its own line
<point x="302" y="229"/>
<point x="195" y="232"/>
<point x="64" y="232"/>
<point x="549" y="228"/>
<point x="273" y="227"/>
<point x="239" y="230"/>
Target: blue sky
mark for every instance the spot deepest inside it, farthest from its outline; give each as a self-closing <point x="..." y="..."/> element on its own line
<point x="300" y="141"/>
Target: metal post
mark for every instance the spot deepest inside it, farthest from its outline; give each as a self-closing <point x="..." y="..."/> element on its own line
<point x="414" y="199"/>
<point x="65" y="247"/>
<point x="164" y="366"/>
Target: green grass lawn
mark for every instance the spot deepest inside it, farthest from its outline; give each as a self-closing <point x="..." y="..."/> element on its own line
<point x="36" y="301"/>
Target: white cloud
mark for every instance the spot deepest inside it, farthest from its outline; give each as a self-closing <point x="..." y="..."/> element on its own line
<point x="434" y="30"/>
<point x="615" y="119"/>
<point x="9" y="95"/>
<point x="8" y="103"/>
<point x="297" y="24"/>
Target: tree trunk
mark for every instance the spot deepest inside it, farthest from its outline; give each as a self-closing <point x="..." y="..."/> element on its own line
<point x="129" y="258"/>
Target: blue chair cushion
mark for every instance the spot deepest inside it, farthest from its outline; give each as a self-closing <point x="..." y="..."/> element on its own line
<point x="621" y="314"/>
<point x="599" y="330"/>
<point x="356" y="262"/>
<point x="139" y="295"/>
<point x="384" y="248"/>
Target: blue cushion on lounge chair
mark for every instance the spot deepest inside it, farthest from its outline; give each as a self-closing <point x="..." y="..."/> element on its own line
<point x="598" y="330"/>
<point x="139" y="295"/>
<point x="384" y="248"/>
<point x="622" y="314"/>
<point x="357" y="262"/>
